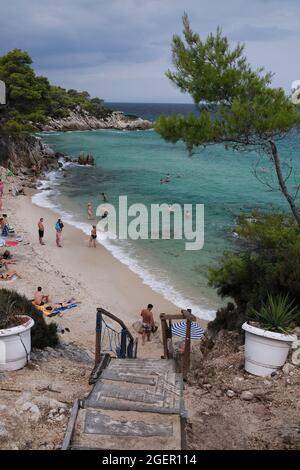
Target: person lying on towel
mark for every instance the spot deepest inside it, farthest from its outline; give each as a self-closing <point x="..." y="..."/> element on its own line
<point x="8" y="276"/>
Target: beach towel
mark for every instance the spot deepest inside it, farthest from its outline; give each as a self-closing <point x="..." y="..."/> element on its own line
<point x="10" y="243"/>
<point x="12" y="278"/>
<point x="50" y="310"/>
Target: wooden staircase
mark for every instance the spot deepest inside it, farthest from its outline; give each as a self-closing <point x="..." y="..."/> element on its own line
<point x="136" y="404"/>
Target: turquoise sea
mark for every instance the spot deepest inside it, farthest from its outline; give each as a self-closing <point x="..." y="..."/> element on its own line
<point x="132" y="164"/>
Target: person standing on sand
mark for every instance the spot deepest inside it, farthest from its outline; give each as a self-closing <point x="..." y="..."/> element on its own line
<point x="147" y="322"/>
<point x="58" y="227"/>
<point x="104" y="197"/>
<point x="1" y="187"/>
<point x="41" y="230"/>
<point x="90" y="211"/>
<point x="93" y="237"/>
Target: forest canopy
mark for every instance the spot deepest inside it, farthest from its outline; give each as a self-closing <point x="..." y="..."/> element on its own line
<point x="31" y="100"/>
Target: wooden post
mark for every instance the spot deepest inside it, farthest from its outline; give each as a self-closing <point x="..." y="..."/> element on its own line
<point x="164" y="335"/>
<point x="187" y="348"/>
<point x="98" y="336"/>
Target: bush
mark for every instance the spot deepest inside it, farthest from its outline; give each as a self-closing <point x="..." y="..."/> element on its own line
<point x="42" y="334"/>
<point x="267" y="263"/>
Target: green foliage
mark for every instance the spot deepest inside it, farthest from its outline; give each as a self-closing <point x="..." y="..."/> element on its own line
<point x="236" y="104"/>
<point x="31" y="100"/>
<point x="12" y="304"/>
<point x="277" y="314"/>
<point x="268" y="262"/>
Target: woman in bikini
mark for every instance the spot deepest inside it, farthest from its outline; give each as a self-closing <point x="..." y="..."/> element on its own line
<point x="92" y="241"/>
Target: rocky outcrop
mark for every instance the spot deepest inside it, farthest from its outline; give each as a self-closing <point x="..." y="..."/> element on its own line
<point x="80" y="120"/>
<point x="83" y="159"/>
<point x="27" y="155"/>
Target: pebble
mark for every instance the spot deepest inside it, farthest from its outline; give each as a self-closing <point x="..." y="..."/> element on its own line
<point x="230" y="393"/>
<point x="33" y="409"/>
<point x="247" y="395"/>
<point x="207" y="385"/>
<point x="287" y="368"/>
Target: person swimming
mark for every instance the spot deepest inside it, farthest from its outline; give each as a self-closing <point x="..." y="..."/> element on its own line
<point x="166" y="179"/>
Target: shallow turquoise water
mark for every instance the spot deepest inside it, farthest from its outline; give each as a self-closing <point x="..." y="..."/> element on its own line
<point x="132" y="164"/>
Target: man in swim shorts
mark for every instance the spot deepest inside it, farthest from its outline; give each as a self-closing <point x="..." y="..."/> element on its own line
<point x="147" y="322"/>
<point x="41" y="230"/>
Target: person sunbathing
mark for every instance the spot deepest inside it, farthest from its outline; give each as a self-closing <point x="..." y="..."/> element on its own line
<point x="39" y="297"/>
<point x="9" y="275"/>
<point x="5" y="262"/>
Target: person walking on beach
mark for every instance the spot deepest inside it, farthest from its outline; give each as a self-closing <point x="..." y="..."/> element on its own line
<point x="41" y="230"/>
<point x="93" y="237"/>
<point x="90" y="210"/>
<point x="58" y="227"/>
<point x="147" y="323"/>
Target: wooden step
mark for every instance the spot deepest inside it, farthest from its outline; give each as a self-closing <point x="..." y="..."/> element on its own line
<point x="111" y="429"/>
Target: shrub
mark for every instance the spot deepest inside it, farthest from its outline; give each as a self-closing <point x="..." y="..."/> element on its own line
<point x="267" y="263"/>
<point x="12" y="303"/>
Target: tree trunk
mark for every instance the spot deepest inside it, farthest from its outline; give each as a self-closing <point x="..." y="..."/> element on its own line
<point x="282" y="185"/>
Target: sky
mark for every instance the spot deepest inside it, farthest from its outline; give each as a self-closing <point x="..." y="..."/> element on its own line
<point x="120" y="50"/>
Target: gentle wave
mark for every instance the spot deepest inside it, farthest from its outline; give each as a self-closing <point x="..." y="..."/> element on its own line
<point x="121" y="250"/>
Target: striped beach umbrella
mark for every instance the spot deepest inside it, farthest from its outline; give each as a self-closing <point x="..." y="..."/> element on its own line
<point x="179" y="329"/>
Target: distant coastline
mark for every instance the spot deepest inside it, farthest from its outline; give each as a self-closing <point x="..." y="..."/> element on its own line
<point x="81" y="120"/>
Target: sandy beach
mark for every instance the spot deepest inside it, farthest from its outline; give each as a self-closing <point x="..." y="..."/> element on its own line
<point x="92" y="276"/>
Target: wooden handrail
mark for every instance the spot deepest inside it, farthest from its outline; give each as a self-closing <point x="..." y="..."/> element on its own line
<point x="116" y="319"/>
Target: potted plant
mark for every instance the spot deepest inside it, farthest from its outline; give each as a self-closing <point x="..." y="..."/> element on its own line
<point x="15" y="338"/>
<point x="269" y="336"/>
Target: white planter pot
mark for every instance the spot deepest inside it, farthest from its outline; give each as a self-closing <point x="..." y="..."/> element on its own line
<point x="15" y="345"/>
<point x="265" y="351"/>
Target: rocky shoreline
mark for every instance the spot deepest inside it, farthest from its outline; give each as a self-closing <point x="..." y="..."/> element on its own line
<point x="27" y="155"/>
<point x="80" y="120"/>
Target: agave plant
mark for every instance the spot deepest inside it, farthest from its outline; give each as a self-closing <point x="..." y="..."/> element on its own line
<point x="277" y="314"/>
<point x="8" y="316"/>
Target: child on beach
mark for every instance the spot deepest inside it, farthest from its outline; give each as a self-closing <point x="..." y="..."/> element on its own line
<point x="92" y="241"/>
